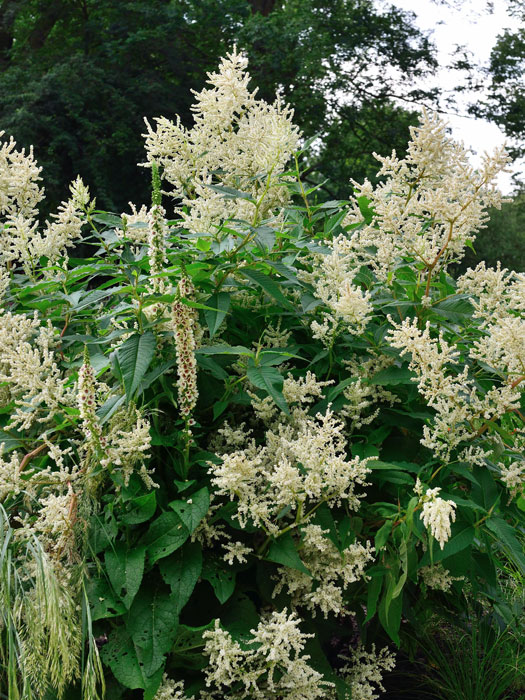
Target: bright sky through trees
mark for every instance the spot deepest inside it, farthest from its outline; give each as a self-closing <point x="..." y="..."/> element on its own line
<point x="469" y="24"/>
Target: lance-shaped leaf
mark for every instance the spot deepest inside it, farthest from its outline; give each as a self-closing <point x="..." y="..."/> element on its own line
<point x="269" y="379"/>
<point x="133" y="358"/>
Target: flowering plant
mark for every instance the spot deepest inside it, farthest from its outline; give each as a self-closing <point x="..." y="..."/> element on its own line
<point x="258" y="441"/>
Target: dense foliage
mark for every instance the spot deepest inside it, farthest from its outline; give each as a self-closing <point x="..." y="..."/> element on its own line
<point x="251" y="449"/>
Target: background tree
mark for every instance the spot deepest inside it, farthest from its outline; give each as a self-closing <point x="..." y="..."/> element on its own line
<point x="78" y="76"/>
<point x="503" y="83"/>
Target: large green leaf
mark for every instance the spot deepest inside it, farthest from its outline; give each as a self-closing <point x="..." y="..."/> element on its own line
<point x="268" y="284"/>
<point x="462" y="536"/>
<point x="283" y="551"/>
<point x="193" y="510"/>
<point x="125" y="569"/>
<point x="187" y="648"/>
<point x="270" y="380"/>
<point x="133" y="358"/>
<point x="126" y="660"/>
<point x="221" y="579"/>
<point x="141" y="509"/>
<point x="181" y="572"/>
<point x="393" y="375"/>
<point x="506" y="535"/>
<point x="166" y="534"/>
<point x="456" y="308"/>
<point x="230" y="192"/>
<point x="103" y="601"/>
<point x="153" y="622"/>
<point x="390" y="610"/>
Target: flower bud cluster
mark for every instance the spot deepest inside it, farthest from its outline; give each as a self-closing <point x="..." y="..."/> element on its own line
<point x="183" y="329"/>
<point x="87" y="404"/>
<point x="157" y="246"/>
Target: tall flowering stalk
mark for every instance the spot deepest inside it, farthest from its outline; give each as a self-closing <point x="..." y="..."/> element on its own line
<point x="183" y="330"/>
<point x="87" y="405"/>
<point x="156" y="234"/>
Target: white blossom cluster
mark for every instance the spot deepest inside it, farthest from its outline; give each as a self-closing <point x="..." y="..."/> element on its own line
<point x="513" y="476"/>
<point x="271" y="665"/>
<point x="332" y="571"/>
<point x="20" y="238"/>
<point x="430" y="204"/>
<point x="455" y="396"/>
<point x="332" y="277"/>
<point x="237" y="141"/>
<point x="171" y="690"/>
<point x="135" y="225"/>
<point x="302" y="463"/>
<point x="364" y="669"/>
<point x="20" y="192"/>
<point x="437" y="514"/>
<point x="495" y="292"/>
<point x="297" y="392"/>
<point x="438" y="578"/>
<point x="29" y="369"/>
<point x="361" y="395"/>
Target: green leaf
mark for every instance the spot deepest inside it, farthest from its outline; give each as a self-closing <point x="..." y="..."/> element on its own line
<point x="508" y="540"/>
<point x="366" y="210"/>
<point x="181" y="572"/>
<point x="166" y="534"/>
<point x="269" y="379"/>
<point x="103" y="601"/>
<point x="220" y="303"/>
<point x="107" y="219"/>
<point x="9" y="443"/>
<point x="221" y="580"/>
<point x="268" y="284"/>
<point x="374" y="589"/>
<point x="265" y="238"/>
<point x="283" y="551"/>
<point x="142" y="509"/>
<point x="186" y="651"/>
<point x="462" y="536"/>
<point x="392" y="376"/>
<point x="457" y="309"/>
<point x="390" y="611"/>
<point x="403" y="556"/>
<point x="382" y="535"/>
<point x="193" y="510"/>
<point x="153" y="623"/>
<point x="125" y="659"/>
<point x="133" y="358"/>
<point x="125" y="569"/>
<point x="230" y="192"/>
<point x="224" y="350"/>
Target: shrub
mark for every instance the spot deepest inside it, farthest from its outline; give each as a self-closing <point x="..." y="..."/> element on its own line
<point x="261" y="441"/>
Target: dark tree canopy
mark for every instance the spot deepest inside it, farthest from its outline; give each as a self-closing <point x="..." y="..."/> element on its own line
<point x="78" y="76"/>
